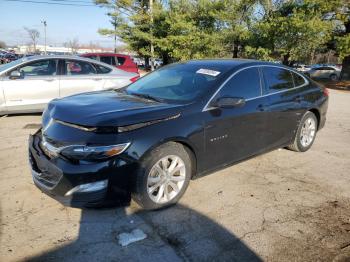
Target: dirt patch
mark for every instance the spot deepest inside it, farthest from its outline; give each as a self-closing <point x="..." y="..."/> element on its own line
<point x="319" y="233"/>
<point x="337" y="85"/>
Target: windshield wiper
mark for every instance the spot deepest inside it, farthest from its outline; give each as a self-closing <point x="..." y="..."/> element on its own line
<point x="149" y="97"/>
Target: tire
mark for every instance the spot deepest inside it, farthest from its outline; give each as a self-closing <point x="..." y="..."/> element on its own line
<point x="155" y="173"/>
<point x="333" y="77"/>
<point x="299" y="143"/>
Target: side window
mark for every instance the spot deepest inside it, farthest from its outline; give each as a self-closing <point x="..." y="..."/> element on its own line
<point x="277" y="79"/>
<point x="245" y="84"/>
<point x="108" y="60"/>
<point x="121" y="60"/>
<point x="74" y="67"/>
<point x="39" y="68"/>
<point x="298" y="79"/>
<point x="102" y="69"/>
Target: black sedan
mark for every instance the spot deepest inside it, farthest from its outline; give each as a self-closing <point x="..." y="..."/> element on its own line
<point x="177" y="123"/>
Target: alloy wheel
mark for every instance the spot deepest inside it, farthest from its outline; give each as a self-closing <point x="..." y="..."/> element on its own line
<point x="308" y="131"/>
<point x="166" y="179"/>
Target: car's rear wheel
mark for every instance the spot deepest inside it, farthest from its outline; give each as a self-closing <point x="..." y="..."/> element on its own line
<point x="163" y="176"/>
<point x="306" y="133"/>
<point x="333" y="77"/>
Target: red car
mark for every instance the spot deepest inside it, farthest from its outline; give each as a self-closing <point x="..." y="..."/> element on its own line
<point x="123" y="62"/>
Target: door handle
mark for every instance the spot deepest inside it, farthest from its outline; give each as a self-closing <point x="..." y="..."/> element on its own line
<point x="49" y="80"/>
<point x="261" y="107"/>
<point x="97" y="79"/>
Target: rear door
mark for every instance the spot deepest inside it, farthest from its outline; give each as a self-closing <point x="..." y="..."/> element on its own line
<point x="127" y="64"/>
<point x="78" y="76"/>
<point x="38" y="85"/>
<point x="285" y="103"/>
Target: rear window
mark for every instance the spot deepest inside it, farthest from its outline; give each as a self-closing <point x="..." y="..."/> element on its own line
<point x="298" y="79"/>
<point x="277" y="79"/>
<point x="102" y="69"/>
<point x="75" y="67"/>
<point x="108" y="60"/>
<point x="121" y="60"/>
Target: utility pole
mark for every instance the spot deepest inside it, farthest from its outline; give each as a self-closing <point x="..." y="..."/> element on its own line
<point x="45" y="24"/>
<point x="151" y="30"/>
<point x="115" y="35"/>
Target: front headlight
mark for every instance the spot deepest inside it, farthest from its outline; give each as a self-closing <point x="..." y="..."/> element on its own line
<point x="81" y="152"/>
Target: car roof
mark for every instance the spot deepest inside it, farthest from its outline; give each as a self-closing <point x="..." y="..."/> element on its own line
<point x="39" y="57"/>
<point x="35" y="57"/>
<point x="331" y="66"/>
<point x="233" y="63"/>
<point x="105" y="54"/>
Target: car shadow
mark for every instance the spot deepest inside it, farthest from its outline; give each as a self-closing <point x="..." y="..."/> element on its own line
<point x="177" y="233"/>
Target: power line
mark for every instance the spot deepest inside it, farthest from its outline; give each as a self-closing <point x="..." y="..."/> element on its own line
<point x="66" y="3"/>
<point x="73" y="1"/>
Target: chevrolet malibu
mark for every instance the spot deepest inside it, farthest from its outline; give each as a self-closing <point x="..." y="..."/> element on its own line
<point x="28" y="84"/>
<point x="185" y="120"/>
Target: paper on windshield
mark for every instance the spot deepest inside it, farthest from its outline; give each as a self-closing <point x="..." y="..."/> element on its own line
<point x="208" y="72"/>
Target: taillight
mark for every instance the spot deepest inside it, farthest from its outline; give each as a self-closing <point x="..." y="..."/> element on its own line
<point x="326" y="91"/>
<point x="133" y="79"/>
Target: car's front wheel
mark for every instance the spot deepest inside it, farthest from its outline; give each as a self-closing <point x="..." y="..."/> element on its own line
<point x="163" y="176"/>
<point x="306" y="133"/>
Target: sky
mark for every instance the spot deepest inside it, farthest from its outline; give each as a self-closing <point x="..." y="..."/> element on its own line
<point x="64" y="23"/>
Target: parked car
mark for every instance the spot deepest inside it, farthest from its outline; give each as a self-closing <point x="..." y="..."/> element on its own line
<point x="325" y="72"/>
<point x="6" y="57"/>
<point x="120" y="61"/>
<point x="158" y="63"/>
<point x="28" y="84"/>
<point x="302" y="68"/>
<point x="174" y="124"/>
<point x="9" y="57"/>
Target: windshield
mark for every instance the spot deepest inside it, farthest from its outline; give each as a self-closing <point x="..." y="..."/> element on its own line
<point x="11" y="64"/>
<point x="178" y="82"/>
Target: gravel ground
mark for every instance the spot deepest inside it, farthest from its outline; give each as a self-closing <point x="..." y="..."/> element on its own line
<point x="281" y="206"/>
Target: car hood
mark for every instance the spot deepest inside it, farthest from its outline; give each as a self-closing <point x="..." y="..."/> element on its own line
<point x="108" y="108"/>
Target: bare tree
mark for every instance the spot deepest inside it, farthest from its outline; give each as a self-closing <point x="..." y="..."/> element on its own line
<point x="73" y="44"/>
<point x="33" y="35"/>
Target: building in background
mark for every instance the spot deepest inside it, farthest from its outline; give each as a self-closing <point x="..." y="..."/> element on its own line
<point x="26" y="49"/>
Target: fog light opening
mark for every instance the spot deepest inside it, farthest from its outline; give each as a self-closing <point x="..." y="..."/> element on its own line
<point x="89" y="187"/>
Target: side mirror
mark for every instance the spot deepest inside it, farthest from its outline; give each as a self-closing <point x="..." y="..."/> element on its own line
<point x="229" y="102"/>
<point x="15" y="75"/>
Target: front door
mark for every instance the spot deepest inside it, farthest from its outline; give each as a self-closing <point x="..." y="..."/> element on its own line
<point x="37" y="85"/>
<point x="232" y="134"/>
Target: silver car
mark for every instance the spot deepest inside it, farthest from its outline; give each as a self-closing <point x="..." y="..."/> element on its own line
<point x="28" y="84"/>
<point x="324" y="72"/>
